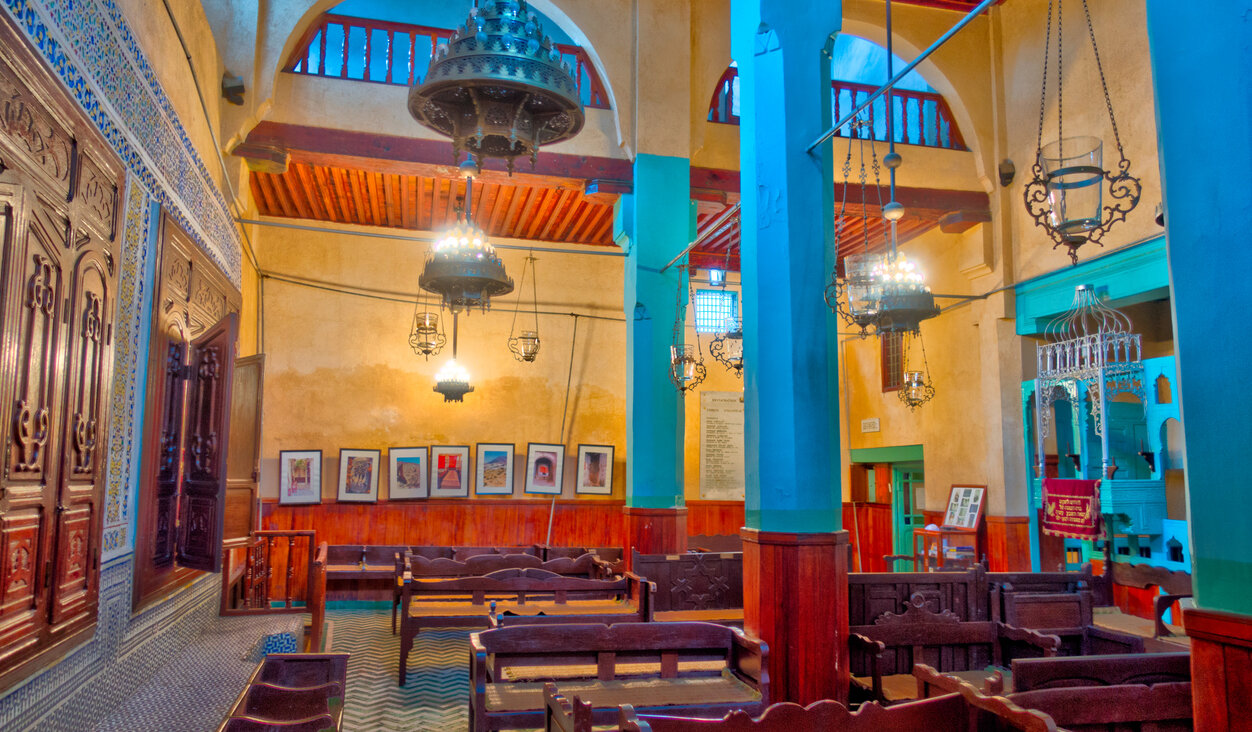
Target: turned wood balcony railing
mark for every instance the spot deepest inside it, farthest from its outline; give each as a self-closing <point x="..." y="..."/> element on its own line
<point x="272" y="573"/>
<point x="921" y="118"/>
<point x="379" y="51"/>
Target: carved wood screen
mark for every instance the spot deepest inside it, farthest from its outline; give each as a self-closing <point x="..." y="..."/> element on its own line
<point x="186" y="418"/>
<point x="59" y="193"/>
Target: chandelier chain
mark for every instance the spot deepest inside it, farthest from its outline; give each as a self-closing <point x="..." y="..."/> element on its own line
<point x="1060" y="73"/>
<point x="1043" y="97"/>
<point x="1108" y="102"/>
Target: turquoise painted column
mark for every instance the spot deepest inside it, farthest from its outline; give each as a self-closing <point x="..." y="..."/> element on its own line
<point x="795" y="556"/>
<point x="1200" y="51"/>
<point x="658" y="220"/>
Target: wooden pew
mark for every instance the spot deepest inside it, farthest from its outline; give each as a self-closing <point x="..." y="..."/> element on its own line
<point x="1031" y="674"/>
<point x="963" y="711"/>
<point x="466" y="602"/>
<point x="922" y="636"/>
<point x="292" y="691"/>
<point x="1066" y="615"/>
<point x="870" y="594"/>
<point x="705" y="587"/>
<point x="1176" y="585"/>
<point x="1121" y="708"/>
<point x="715" y="543"/>
<point x="698" y="669"/>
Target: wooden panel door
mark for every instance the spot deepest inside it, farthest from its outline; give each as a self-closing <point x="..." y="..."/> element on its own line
<point x="202" y="502"/>
<point x="243" y="459"/>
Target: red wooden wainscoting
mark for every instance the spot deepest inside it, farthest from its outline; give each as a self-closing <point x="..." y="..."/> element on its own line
<point x="869" y="530"/>
<point x="1008" y="543"/>
<point x="655" y="530"/>
<point x="1221" y="669"/>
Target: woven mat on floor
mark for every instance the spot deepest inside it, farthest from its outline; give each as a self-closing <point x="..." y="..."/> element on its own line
<point x="506" y="696"/>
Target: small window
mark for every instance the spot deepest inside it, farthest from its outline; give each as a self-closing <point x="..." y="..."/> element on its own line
<point x="713" y="307"/>
<point x="892" y="345"/>
<point x="1145" y="552"/>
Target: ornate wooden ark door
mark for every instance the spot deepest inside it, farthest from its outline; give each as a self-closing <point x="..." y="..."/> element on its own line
<point x="59" y="195"/>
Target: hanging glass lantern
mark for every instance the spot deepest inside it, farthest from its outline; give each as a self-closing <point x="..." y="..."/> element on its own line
<point x="686" y="364"/>
<point x="917" y="388"/>
<point x="525" y="345"/>
<point x="727" y="347"/>
<point x="1066" y="195"/>
<point x="499" y="87"/>
<point x="425" y="337"/>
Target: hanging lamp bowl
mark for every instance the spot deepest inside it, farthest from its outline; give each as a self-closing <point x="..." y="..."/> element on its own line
<point x="499" y="88"/>
<point x="465" y="283"/>
<point x="525" y="347"/>
<point x="425" y="338"/>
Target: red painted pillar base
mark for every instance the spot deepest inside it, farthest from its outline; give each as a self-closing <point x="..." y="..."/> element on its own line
<point x="795" y="598"/>
<point x="655" y="530"/>
<point x="1221" y="668"/>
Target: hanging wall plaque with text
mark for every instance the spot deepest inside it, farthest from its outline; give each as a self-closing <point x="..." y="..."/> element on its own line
<point x="721" y="446"/>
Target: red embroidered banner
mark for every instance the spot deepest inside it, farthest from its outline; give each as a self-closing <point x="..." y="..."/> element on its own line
<point x="1071" y="508"/>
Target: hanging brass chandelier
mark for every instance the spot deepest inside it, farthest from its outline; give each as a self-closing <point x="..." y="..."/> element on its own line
<point x="426" y="336"/>
<point x="462" y="268"/>
<point x="916" y="388"/>
<point x="525" y="344"/>
<point x="686" y="363"/>
<point x="499" y="87"/>
<point x="1065" y="197"/>
<point x="878" y="292"/>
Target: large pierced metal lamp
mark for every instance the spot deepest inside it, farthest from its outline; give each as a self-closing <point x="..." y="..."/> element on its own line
<point x="499" y="88"/>
<point x="1066" y="195"/>
<point x="463" y="268"/>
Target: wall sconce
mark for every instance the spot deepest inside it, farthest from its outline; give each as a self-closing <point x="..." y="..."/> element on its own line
<point x="1007" y="171"/>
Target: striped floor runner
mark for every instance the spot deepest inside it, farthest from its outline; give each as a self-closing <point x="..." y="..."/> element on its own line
<point x="435" y="697"/>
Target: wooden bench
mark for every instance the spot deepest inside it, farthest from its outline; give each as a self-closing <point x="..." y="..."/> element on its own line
<point x="469" y="602"/>
<point x="586" y="565"/>
<point x="940" y="639"/>
<point x="966" y="711"/>
<point x="700" y="586"/>
<point x="1068" y="616"/>
<point x="1175" y="584"/>
<point x="1031" y="674"/>
<point x="696" y="669"/>
<point x="292" y="691"/>
<point x="870" y="594"/>
<point x="715" y="543"/>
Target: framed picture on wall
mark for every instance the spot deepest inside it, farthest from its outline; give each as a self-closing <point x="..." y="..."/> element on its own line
<point x="595" y="469"/>
<point x="299" y="476"/>
<point x="495" y="469"/>
<point x="409" y="468"/>
<point x="449" y="471"/>
<point x="545" y="466"/>
<point x="358" y="475"/>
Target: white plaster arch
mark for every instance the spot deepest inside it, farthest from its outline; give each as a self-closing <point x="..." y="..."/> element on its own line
<point x="292" y="22"/>
<point x="935" y="76"/>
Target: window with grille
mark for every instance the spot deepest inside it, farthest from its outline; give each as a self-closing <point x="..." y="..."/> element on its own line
<point x="892" y="345"/>
<point x="712" y="309"/>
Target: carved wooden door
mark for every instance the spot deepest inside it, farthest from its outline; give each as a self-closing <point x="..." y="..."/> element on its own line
<point x="202" y="502"/>
<point x="243" y="466"/>
<point x="58" y="248"/>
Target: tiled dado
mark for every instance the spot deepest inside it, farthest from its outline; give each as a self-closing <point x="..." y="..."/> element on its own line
<point x="95" y="669"/>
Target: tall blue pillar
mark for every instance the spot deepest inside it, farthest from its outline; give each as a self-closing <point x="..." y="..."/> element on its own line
<point x="1199" y="52"/>
<point x="795" y="556"/>
<point x="658" y="218"/>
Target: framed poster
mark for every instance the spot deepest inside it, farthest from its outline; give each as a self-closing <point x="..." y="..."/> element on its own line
<point x="595" y="469"/>
<point x="545" y="467"/>
<point x="358" y="475"/>
<point x="299" y="476"/>
<point x="495" y="469"/>
<point x="965" y="506"/>
<point x="408" y="473"/>
<point x="449" y="471"/>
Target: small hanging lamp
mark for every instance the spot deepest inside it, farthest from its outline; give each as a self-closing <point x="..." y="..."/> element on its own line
<point x="686" y="363"/>
<point x="1065" y="197"/>
<point x="452" y="380"/>
<point x="917" y="388"/>
<point x="525" y="344"/>
<point x="727" y="347"/>
<point x="426" y="336"/>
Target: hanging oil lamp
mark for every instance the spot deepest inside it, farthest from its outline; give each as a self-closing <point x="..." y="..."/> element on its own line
<point x="452" y="380"/>
<point x="917" y="388"/>
<point x="1066" y="195"/>
<point x="426" y="337"/>
<point x="525" y="344"/>
<point x="727" y="347"/>
<point x="686" y="364"/>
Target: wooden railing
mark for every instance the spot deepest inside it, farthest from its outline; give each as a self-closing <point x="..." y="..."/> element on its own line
<point x="379" y="51"/>
<point x="921" y="118"/>
<point x="267" y="573"/>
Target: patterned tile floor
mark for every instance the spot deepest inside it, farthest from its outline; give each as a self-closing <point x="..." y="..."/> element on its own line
<point x="435" y="697"/>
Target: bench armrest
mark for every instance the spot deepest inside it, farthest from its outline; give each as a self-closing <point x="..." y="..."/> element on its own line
<point x="642" y="592"/>
<point x="749" y="658"/>
<point x="1012" y="638"/>
<point x="1163" y="603"/>
<point x="858" y="643"/>
<point x="1120" y="642"/>
<point x="478" y="673"/>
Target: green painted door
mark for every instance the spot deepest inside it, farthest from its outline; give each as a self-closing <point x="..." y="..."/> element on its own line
<point x="907" y="495"/>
